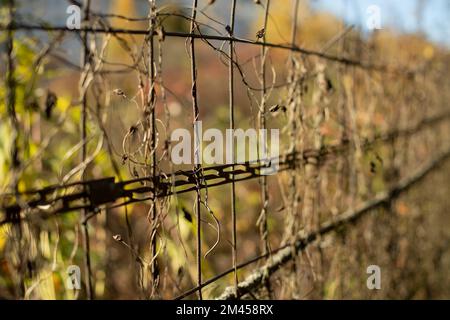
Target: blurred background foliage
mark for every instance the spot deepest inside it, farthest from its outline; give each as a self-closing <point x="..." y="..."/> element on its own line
<point x="48" y="108"/>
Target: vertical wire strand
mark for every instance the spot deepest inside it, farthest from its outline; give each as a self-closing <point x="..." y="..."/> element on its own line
<point x="292" y="147"/>
<point x="232" y="126"/>
<point x="262" y="123"/>
<point x="11" y="96"/>
<point x="197" y="166"/>
<point x="290" y="223"/>
<point x="11" y="109"/>
<point x="151" y="108"/>
<point x="264" y="233"/>
<point x="86" y="245"/>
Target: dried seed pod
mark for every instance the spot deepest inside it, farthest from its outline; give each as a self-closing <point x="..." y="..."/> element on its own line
<point x="119" y="92"/>
<point x="180" y="273"/>
<point x="50" y="103"/>
<point x="135" y="173"/>
<point x="187" y="214"/>
<point x="124" y="159"/>
<point x="133" y="130"/>
<point x="329" y="86"/>
<point x="373" y="167"/>
<point x="260" y="34"/>
<point x="276" y="108"/>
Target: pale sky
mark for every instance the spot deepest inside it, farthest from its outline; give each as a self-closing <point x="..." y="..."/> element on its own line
<point x="400" y="14"/>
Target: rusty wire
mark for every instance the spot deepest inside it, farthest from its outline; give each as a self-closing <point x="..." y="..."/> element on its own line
<point x="107" y="191"/>
<point x="91" y="197"/>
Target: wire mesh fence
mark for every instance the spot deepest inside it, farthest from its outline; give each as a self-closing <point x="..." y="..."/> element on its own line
<point x="360" y="126"/>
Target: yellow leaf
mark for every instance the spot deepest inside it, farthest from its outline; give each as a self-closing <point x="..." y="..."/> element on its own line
<point x="428" y="52"/>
